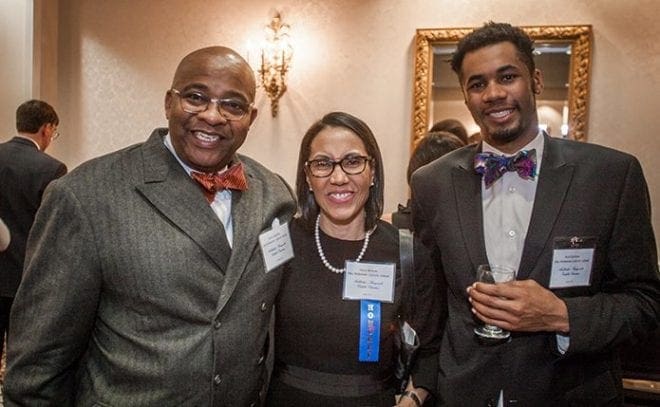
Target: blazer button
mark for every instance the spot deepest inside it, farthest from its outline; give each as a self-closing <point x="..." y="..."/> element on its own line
<point x="217" y="379"/>
<point x="261" y="360"/>
<point x="264" y="307"/>
<point x="217" y="324"/>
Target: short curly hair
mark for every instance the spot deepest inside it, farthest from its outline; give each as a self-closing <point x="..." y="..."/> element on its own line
<point x="494" y="33"/>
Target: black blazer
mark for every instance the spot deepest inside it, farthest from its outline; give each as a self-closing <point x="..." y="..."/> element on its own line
<point x="24" y="174"/>
<point x="583" y="190"/>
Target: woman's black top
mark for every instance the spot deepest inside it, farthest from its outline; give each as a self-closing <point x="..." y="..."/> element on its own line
<point x="317" y="330"/>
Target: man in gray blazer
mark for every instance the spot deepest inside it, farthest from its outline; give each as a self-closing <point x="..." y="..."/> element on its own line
<point x="143" y="288"/>
<point x="25" y="172"/>
<point x="573" y="219"/>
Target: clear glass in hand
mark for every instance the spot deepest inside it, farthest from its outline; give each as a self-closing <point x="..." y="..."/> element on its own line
<point x="493" y="275"/>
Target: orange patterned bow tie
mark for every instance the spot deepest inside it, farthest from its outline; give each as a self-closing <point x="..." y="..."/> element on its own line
<point x="233" y="178"/>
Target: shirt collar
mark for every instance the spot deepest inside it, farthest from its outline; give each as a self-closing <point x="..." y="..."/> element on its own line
<point x="168" y="143"/>
<point x="536" y="143"/>
<point x="28" y="138"/>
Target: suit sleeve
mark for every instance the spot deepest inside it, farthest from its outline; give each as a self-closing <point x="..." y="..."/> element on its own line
<point x="628" y="306"/>
<point x="426" y="321"/>
<point x="54" y="309"/>
<point x="422" y="226"/>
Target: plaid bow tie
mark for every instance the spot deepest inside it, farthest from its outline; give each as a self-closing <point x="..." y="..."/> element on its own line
<point x="233" y="178"/>
<point x="492" y="166"/>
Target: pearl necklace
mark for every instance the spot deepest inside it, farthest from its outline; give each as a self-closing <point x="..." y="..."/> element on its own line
<point x="325" y="261"/>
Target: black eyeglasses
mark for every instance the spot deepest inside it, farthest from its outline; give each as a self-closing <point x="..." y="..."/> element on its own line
<point x="196" y="102"/>
<point x="351" y="165"/>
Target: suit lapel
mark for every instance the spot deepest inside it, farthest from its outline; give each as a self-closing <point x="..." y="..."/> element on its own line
<point x="247" y="211"/>
<point x="554" y="179"/>
<point x="172" y="192"/>
<point x="467" y="189"/>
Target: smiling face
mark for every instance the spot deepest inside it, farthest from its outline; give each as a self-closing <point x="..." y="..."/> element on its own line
<point x="207" y="141"/>
<point x="500" y="93"/>
<point x="340" y="197"/>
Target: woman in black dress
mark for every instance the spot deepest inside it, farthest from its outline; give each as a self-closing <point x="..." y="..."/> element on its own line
<point x="330" y="350"/>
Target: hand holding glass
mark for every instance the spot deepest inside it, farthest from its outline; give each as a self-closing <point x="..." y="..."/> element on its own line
<point x="493" y="275"/>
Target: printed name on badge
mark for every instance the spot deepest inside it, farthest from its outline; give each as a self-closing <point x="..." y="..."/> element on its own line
<point x="369" y="281"/>
<point x="572" y="261"/>
<point x="276" y="246"/>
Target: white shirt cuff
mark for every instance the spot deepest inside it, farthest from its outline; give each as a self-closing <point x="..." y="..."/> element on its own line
<point x="563" y="341"/>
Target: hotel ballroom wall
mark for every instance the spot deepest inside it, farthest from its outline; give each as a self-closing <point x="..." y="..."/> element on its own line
<point x="105" y="65"/>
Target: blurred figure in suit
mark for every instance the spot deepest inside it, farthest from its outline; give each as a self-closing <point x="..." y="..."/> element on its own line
<point x="433" y="146"/>
<point x="25" y="171"/>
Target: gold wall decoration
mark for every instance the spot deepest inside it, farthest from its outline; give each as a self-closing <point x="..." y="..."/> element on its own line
<point x="275" y="61"/>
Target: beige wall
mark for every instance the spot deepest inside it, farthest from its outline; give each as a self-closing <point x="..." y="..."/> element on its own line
<point x="116" y="59"/>
<point x="16" y="65"/>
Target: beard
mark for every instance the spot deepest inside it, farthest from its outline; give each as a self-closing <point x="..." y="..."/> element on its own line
<point x="525" y="124"/>
<point x="507" y="134"/>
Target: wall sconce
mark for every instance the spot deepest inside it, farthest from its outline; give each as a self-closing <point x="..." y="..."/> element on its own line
<point x="275" y="61"/>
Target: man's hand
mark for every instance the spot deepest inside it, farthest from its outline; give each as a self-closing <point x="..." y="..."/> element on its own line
<point x="519" y="306"/>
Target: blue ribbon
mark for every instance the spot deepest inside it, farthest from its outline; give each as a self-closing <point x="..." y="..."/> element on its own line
<point x="369" y="331"/>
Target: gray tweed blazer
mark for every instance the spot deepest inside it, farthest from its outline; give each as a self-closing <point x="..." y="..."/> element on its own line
<point x="131" y="294"/>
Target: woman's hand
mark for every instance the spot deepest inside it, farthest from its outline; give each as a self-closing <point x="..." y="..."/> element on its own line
<point x="412" y="396"/>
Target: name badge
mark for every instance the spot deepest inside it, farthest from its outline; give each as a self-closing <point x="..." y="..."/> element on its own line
<point x="369" y="281"/>
<point x="276" y="246"/>
<point x="572" y="262"/>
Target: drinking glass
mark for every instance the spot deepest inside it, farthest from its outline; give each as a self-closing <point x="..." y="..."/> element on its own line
<point x="493" y="275"/>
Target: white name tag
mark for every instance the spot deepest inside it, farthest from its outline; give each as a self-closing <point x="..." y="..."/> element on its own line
<point x="369" y="281"/>
<point x="571" y="267"/>
<point x="276" y="246"/>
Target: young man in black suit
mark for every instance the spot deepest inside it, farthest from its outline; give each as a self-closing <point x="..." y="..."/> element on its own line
<point x="573" y="219"/>
<point x="25" y="171"/>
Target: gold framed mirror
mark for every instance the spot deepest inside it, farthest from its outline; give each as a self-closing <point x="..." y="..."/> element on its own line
<point x="566" y="49"/>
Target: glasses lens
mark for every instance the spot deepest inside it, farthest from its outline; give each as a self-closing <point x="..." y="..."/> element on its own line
<point x="233" y="109"/>
<point x="321" y="168"/>
<point x="353" y="164"/>
<point x="193" y="102"/>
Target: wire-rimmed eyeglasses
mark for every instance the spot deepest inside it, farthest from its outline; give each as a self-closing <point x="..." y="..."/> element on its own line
<point x="351" y="165"/>
<point x="196" y="102"/>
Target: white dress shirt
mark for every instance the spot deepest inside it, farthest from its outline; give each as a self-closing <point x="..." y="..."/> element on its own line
<point x="507" y="209"/>
<point x="221" y="204"/>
